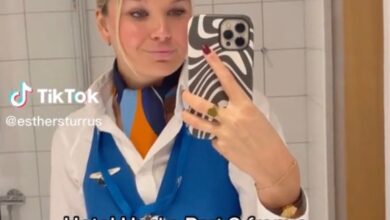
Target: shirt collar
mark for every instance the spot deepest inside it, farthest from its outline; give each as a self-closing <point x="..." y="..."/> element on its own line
<point x="169" y="82"/>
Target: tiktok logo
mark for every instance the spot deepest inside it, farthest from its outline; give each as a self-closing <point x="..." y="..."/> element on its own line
<point x="52" y="96"/>
<point x="19" y="98"/>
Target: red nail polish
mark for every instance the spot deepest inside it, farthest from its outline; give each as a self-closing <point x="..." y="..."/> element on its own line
<point x="206" y="49"/>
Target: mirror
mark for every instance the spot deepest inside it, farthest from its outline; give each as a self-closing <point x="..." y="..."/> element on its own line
<point x="55" y="44"/>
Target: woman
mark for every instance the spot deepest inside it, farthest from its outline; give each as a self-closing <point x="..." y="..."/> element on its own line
<point x="140" y="161"/>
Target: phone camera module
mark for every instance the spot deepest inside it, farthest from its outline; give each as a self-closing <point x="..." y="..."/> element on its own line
<point x="228" y="34"/>
<point x="234" y="34"/>
<point x="240" y="27"/>
<point x="240" y="41"/>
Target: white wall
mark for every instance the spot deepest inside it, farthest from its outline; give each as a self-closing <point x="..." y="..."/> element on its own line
<point x="37" y="46"/>
<point x="319" y="106"/>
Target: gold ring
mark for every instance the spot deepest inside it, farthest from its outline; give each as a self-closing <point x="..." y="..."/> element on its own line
<point x="213" y="111"/>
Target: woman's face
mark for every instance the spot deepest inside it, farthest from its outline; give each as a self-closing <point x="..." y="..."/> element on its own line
<point x="153" y="34"/>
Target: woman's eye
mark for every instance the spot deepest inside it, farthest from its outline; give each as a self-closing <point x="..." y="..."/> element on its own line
<point x="176" y="12"/>
<point x="139" y="14"/>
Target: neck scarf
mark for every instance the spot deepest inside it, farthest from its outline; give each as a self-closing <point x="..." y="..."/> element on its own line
<point x="143" y="113"/>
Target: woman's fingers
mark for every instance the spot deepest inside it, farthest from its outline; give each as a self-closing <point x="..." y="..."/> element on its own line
<point x="203" y="106"/>
<point x="200" y="123"/>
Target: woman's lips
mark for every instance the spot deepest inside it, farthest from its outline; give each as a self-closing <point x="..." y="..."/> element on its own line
<point x="161" y="55"/>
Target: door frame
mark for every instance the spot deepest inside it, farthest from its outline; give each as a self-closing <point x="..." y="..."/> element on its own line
<point x="360" y="165"/>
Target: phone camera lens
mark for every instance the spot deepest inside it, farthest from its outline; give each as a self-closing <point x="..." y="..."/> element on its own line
<point x="240" y="41"/>
<point x="228" y="34"/>
<point x="240" y="27"/>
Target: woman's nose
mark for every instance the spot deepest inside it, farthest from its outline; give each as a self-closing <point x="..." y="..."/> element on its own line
<point x="161" y="31"/>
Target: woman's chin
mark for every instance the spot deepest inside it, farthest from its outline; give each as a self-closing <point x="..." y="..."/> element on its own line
<point x="164" y="68"/>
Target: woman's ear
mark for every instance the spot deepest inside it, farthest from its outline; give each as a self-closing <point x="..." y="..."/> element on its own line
<point x="102" y="25"/>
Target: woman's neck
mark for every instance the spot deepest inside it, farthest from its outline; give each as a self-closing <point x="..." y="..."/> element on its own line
<point x="133" y="80"/>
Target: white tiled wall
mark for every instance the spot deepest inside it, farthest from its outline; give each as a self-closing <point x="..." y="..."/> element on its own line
<point x="283" y="24"/>
<point x="16" y="139"/>
<point x="46" y="39"/>
<point x="19" y="71"/>
<point x="39" y="46"/>
<point x="36" y="46"/>
<point x="288" y="65"/>
<point x="13" y="44"/>
<point x="318" y="117"/>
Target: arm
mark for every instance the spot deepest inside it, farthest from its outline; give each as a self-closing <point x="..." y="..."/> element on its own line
<point x="250" y="203"/>
<point x="245" y="185"/>
<point x="290" y="179"/>
<point x="246" y="137"/>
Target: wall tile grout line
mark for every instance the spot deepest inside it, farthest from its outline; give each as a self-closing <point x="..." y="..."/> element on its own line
<point x="32" y="109"/>
<point x="8" y="14"/>
<point x="49" y="12"/>
<point x="306" y="90"/>
<point x="287" y="96"/>
<point x="264" y="53"/>
<point x="38" y="59"/>
<point x="297" y="142"/>
<point x="23" y="152"/>
<point x="76" y="69"/>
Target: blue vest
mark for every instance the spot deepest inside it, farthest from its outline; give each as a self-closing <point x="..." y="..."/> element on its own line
<point x="196" y="183"/>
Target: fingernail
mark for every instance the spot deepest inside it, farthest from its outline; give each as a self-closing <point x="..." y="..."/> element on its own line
<point x="206" y="49"/>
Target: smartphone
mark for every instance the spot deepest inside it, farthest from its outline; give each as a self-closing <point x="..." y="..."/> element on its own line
<point x="231" y="37"/>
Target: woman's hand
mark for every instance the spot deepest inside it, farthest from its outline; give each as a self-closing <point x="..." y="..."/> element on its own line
<point x="245" y="138"/>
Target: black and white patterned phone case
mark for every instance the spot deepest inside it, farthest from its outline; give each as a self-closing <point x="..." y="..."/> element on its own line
<point x="204" y="29"/>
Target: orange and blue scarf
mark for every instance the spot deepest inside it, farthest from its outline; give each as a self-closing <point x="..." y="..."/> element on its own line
<point x="143" y="113"/>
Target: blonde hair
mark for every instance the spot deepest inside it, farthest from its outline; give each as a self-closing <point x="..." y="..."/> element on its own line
<point x="102" y="5"/>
